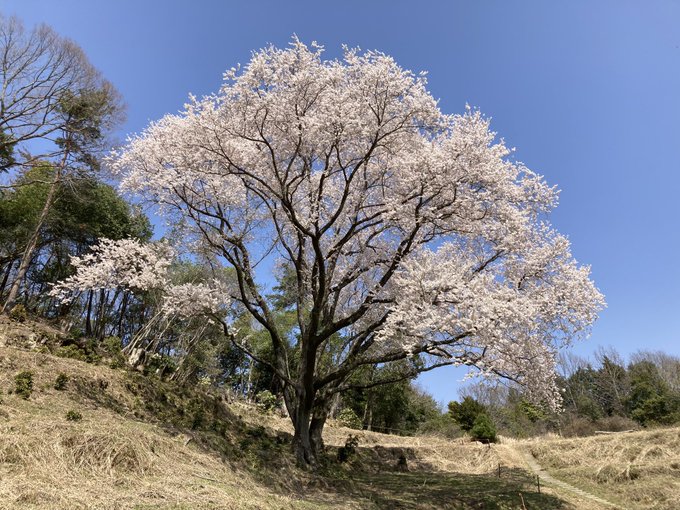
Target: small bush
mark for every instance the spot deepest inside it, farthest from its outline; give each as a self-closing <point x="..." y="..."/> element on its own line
<point x="23" y="384"/>
<point x="578" y="426"/>
<point x="60" y="382"/>
<point x="114" y="348"/>
<point x="483" y="429"/>
<point x="195" y="414"/>
<point x="112" y="344"/>
<point x="18" y="313"/>
<point x="348" y="418"/>
<point x="72" y="415"/>
<point x="266" y="401"/>
<point x="440" y="426"/>
<point x="345" y="452"/>
<point x="71" y="351"/>
<point x="159" y="365"/>
<point x="616" y="424"/>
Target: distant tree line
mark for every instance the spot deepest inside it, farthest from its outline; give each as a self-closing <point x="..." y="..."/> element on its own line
<point x="602" y="394"/>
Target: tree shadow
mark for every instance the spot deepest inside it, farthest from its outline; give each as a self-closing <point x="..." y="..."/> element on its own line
<point x="446" y="490"/>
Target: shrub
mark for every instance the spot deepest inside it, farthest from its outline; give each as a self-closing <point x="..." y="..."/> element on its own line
<point x="72" y="415"/>
<point x="159" y="364"/>
<point x="483" y="429"/>
<point x="114" y="348"/>
<point x="112" y="345"/>
<point x="266" y="401"/>
<point x="402" y="463"/>
<point x="466" y="412"/>
<point x="18" y="313"/>
<point x="578" y="426"/>
<point x="348" y="418"/>
<point x="616" y="424"/>
<point x="71" y="351"/>
<point x="345" y="452"/>
<point x="441" y="426"/>
<point x="23" y="384"/>
<point x="60" y="382"/>
<point x="195" y="413"/>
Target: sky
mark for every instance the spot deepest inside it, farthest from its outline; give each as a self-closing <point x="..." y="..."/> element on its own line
<point x="587" y="91"/>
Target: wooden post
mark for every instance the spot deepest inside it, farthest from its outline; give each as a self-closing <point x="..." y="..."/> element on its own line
<point x="499" y="470"/>
<point x="538" y="483"/>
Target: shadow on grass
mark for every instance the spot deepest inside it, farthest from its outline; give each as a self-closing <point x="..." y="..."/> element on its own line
<point x="444" y="490"/>
<point x="267" y="456"/>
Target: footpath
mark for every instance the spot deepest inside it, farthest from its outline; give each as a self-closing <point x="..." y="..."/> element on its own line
<point x="550" y="480"/>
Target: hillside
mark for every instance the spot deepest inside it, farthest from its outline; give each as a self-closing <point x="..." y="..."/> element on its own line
<point x="111" y="438"/>
<point x="637" y="469"/>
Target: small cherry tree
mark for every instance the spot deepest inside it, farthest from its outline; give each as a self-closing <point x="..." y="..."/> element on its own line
<point x="137" y="267"/>
<point x="412" y="235"/>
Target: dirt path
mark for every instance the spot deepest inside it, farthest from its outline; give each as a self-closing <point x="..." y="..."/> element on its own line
<point x="549" y="479"/>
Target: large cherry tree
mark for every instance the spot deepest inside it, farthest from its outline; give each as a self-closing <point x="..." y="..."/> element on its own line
<point x="412" y="235"/>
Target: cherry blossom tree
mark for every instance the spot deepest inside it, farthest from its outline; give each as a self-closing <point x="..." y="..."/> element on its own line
<point x="138" y="267"/>
<point x="413" y="235"/>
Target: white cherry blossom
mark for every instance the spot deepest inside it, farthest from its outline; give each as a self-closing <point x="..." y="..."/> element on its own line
<point x="411" y="232"/>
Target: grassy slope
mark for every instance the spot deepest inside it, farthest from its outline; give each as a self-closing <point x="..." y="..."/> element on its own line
<point x="143" y="443"/>
<point x="639" y="470"/>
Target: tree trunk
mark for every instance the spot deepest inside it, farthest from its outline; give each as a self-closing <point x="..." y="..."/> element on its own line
<point x="10" y="265"/>
<point x="121" y="314"/>
<point x="33" y="241"/>
<point x="88" y="315"/>
<point x="101" y="314"/>
<point x="319" y="417"/>
<point x="303" y="448"/>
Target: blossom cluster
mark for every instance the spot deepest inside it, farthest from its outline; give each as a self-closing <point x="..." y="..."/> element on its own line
<point x="410" y="230"/>
<point x="136" y="266"/>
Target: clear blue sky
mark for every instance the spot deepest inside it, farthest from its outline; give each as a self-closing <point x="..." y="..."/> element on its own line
<point x="588" y="91"/>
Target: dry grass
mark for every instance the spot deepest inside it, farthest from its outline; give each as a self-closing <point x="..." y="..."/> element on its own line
<point x="637" y="469"/>
<point x="140" y="444"/>
<point x="110" y="460"/>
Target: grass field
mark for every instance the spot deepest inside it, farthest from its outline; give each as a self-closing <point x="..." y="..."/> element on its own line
<point x="137" y="442"/>
<point x="637" y="469"/>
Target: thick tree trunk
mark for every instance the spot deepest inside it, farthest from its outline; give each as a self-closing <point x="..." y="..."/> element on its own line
<point x="302" y="441"/>
<point x="319" y="417"/>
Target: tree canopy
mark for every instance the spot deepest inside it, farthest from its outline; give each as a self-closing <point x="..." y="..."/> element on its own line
<point x="411" y="234"/>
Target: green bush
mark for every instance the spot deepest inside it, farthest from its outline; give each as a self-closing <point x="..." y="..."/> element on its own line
<point x="266" y="401"/>
<point x="18" y="313"/>
<point x="466" y="412"/>
<point x="160" y="364"/>
<point x="23" y="384"/>
<point x="483" y="429"/>
<point x="60" y="382"/>
<point x="114" y="348"/>
<point x="348" y="418"/>
<point x="72" y="415"/>
<point x="71" y="351"/>
<point x="441" y="426"/>
<point x="195" y="413"/>
<point x="112" y="344"/>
